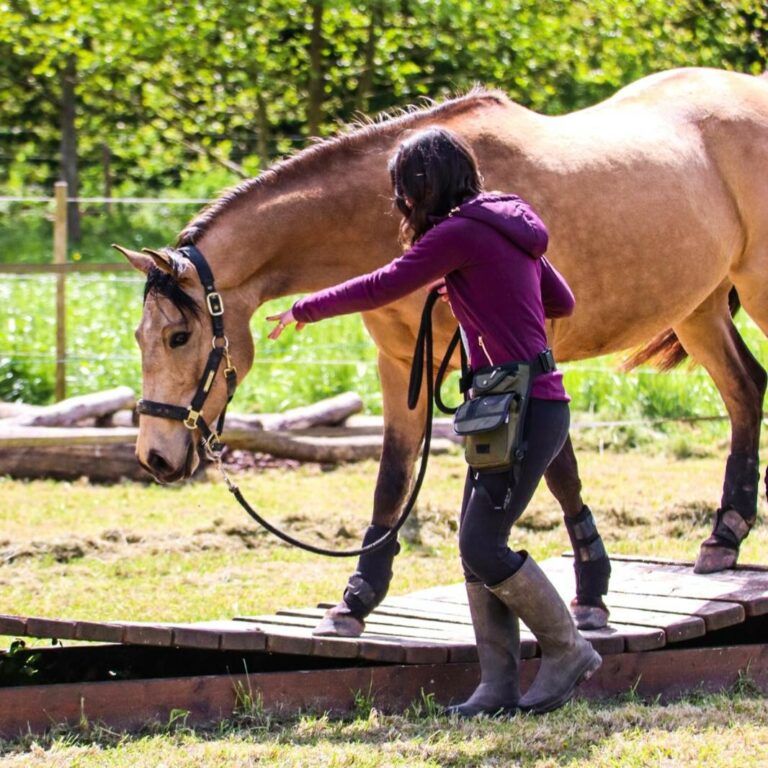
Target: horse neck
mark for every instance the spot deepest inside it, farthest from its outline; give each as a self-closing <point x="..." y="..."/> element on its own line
<point x="304" y="233"/>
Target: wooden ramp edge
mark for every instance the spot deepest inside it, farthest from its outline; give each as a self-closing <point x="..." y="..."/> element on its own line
<point x="653" y="604"/>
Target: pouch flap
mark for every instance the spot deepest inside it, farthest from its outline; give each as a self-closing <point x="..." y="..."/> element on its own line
<point x="488" y="379"/>
<point x="482" y="414"/>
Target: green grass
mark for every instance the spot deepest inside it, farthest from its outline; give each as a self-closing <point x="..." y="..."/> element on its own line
<point x="723" y="731"/>
<point x="324" y="359"/>
<point x="106" y="552"/>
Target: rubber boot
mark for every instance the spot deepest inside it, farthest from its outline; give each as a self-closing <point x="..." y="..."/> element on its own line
<point x="566" y="657"/>
<point x="497" y="633"/>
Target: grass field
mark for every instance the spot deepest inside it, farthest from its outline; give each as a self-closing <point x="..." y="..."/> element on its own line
<point x="188" y="553"/>
<point x="324" y="359"/>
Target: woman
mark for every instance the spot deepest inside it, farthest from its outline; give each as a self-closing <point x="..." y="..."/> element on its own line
<point x="489" y="250"/>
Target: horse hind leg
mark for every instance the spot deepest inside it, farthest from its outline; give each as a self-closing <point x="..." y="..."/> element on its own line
<point x="591" y="565"/>
<point x="711" y="338"/>
<point x="753" y="293"/>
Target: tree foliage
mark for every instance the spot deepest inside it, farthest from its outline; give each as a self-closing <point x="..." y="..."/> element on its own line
<point x="177" y="89"/>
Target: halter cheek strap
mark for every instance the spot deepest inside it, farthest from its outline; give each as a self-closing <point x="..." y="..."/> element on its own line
<point x="192" y="416"/>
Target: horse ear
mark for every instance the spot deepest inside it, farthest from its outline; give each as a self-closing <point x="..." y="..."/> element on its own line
<point x="163" y="260"/>
<point x="138" y="260"/>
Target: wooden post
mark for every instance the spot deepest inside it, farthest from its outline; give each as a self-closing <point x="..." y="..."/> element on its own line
<point x="60" y="257"/>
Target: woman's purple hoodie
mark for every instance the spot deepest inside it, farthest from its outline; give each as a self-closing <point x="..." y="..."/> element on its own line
<point x="490" y="252"/>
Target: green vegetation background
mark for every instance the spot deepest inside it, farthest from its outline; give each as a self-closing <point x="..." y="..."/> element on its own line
<point x="200" y="94"/>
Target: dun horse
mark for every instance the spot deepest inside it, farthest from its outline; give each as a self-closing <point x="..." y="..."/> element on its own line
<point x="657" y="206"/>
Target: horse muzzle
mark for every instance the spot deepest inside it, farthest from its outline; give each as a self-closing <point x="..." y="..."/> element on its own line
<point x="164" y="469"/>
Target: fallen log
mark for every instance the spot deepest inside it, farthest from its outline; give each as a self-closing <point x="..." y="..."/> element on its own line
<point x="285" y="445"/>
<point x="442" y="427"/>
<point x="325" y="450"/>
<point x="74" y="409"/>
<point x="328" y="412"/>
<point x="11" y="410"/>
<point x="100" y="463"/>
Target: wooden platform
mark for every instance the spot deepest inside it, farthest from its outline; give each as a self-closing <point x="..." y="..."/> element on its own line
<point x="671" y="631"/>
<point x="653" y="605"/>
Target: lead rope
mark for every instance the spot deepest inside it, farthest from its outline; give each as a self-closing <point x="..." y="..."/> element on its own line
<point x="422" y="358"/>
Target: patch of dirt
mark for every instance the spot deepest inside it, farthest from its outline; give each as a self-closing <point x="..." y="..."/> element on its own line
<point x="115" y="543"/>
<point x="241" y="461"/>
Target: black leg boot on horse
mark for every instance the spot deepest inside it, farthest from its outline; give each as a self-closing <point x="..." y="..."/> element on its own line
<point x="592" y="569"/>
<point x="366" y="588"/>
<point x="736" y="516"/>
<point x="566" y="657"/>
<point x="591" y="565"/>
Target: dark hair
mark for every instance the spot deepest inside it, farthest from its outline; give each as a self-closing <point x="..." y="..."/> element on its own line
<point x="437" y="170"/>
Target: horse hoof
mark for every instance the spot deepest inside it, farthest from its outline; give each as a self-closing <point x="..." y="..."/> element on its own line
<point x="589" y="616"/>
<point x="339" y="625"/>
<point x="714" y="559"/>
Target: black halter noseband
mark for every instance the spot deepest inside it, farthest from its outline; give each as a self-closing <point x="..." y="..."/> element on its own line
<point x="192" y="416"/>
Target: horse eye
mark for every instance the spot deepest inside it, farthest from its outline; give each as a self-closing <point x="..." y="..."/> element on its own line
<point x="179" y="339"/>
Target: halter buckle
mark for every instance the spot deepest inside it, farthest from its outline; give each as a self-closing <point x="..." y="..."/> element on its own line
<point x="192" y="418"/>
<point x="215" y="304"/>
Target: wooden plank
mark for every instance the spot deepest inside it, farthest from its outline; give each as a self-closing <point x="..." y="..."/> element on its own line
<point x="197" y="635"/>
<point x="95" y="631"/>
<point x="676" y="627"/>
<point x="388" y="624"/>
<point x="137" y="633"/>
<point x="754" y="567"/>
<point x="679" y="581"/>
<point x="633" y="638"/>
<point x="59" y="629"/>
<point x="13" y="625"/>
<point x="716" y="615"/>
<point x="308" y="619"/>
<point x="135" y="703"/>
<point x="669" y="673"/>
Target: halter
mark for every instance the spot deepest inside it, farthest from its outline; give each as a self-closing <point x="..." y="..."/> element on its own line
<point x="192" y="416"/>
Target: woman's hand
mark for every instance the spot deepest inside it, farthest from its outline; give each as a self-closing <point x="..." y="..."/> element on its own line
<point x="284" y="319"/>
<point x="441" y="287"/>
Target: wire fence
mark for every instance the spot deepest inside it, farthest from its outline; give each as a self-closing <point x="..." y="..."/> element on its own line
<point x="590" y="381"/>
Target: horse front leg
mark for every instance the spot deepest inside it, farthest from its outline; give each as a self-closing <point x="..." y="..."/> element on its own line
<point x="403" y="432"/>
<point x="590" y="560"/>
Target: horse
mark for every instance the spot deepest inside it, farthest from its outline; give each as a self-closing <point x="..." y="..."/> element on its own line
<point x="656" y="202"/>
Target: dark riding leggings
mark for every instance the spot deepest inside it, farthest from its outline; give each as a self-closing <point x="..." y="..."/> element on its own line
<point x="486" y="520"/>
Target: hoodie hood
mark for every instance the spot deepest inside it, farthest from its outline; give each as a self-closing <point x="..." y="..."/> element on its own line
<point x="510" y="216"/>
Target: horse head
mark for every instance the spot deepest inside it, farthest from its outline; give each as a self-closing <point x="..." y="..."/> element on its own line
<point x="186" y="359"/>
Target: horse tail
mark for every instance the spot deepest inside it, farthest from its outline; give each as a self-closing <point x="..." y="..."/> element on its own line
<point x="665" y="351"/>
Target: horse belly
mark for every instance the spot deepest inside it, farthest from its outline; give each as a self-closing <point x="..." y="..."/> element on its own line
<point x="643" y="237"/>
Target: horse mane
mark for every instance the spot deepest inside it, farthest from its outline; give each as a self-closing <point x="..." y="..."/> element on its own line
<point x="353" y="136"/>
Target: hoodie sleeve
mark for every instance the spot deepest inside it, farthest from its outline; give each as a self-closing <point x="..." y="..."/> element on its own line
<point x="556" y="295"/>
<point x="440" y="251"/>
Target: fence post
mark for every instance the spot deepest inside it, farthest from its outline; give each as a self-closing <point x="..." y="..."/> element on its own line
<point x="60" y="257"/>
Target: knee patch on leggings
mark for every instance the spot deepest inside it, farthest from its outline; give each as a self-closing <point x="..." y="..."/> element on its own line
<point x="482" y="539"/>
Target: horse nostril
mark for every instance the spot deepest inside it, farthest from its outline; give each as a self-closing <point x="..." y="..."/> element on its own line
<point x="158" y="464"/>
